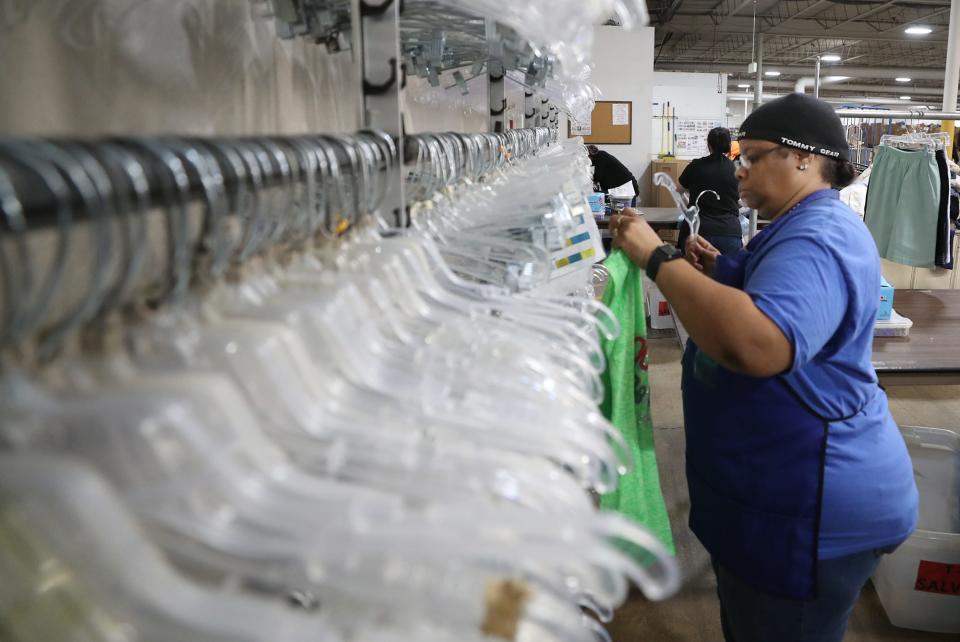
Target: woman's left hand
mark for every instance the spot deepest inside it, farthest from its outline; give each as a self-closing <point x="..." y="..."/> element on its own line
<point x="633" y="235"/>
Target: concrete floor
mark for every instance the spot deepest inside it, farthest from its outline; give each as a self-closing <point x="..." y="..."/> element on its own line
<point x="693" y="615"/>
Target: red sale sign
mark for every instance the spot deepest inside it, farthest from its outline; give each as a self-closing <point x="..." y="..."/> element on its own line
<point x="935" y="577"/>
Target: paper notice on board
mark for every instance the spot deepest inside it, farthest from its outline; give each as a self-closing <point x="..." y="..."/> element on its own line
<point x="691" y="136"/>
<point x="578" y="129"/>
<point x="621" y="113"/>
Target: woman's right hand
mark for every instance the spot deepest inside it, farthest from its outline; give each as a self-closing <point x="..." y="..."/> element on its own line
<point x="701" y="255"/>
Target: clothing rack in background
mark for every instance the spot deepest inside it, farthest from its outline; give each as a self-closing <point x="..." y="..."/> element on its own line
<point x="865" y="127"/>
<point x="910" y="203"/>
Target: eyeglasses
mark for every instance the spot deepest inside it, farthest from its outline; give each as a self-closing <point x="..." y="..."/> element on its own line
<point x="747" y="161"/>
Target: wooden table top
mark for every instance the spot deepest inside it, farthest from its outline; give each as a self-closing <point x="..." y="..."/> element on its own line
<point x="933" y="348"/>
<point x="659" y="218"/>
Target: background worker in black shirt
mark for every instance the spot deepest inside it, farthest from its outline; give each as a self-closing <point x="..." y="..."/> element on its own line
<point x="719" y="219"/>
<point x="608" y="172"/>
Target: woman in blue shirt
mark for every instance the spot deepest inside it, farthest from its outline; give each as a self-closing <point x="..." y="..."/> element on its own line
<point x="799" y="478"/>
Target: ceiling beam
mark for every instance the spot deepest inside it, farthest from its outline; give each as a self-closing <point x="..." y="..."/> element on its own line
<point x="666" y="38"/>
<point x="808" y="30"/>
<point x="774" y="54"/>
<point x="684" y="44"/>
<point x="842" y="86"/>
<point x="810" y="8"/>
<point x="736" y="45"/>
<point x="923" y="18"/>
<point x="701" y="22"/>
<point x="843" y="14"/>
<point x="667" y="15"/>
<point x="729" y="8"/>
<point x="804" y="70"/>
<point x="863" y="15"/>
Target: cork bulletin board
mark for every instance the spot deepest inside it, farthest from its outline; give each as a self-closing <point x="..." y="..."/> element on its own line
<point x="610" y="124"/>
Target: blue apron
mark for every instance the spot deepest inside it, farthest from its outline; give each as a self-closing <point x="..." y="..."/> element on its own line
<point x="755" y="460"/>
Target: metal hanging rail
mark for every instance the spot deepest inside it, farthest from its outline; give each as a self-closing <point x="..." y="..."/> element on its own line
<point x="169" y="174"/>
<point x="902" y="115"/>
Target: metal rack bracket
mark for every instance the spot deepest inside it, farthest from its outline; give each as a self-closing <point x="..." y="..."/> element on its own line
<point x="383" y="83"/>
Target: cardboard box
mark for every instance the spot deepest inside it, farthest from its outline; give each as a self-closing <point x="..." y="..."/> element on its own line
<point x="886" y="300"/>
<point x="669" y="236"/>
<point x="671" y="167"/>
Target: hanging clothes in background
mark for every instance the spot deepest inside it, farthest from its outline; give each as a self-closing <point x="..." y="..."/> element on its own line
<point x="855" y="194"/>
<point x="903" y="205"/>
<point x="954" y="215"/>
<point x="626" y="401"/>
<point x="944" y="246"/>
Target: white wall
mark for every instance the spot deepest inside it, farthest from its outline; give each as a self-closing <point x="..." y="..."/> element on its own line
<point x="737" y="113"/>
<point x="445" y="108"/>
<point x="206" y="68"/>
<point x="513" y="92"/>
<point x="691" y="96"/>
<point x="623" y="70"/>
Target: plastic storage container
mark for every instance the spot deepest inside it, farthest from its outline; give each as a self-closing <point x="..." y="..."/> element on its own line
<point x="896" y="326"/>
<point x="885" y="309"/>
<point x="919" y="584"/>
<point x="597" y="204"/>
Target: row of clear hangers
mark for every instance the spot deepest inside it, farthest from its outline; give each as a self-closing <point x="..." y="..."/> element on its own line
<point x="237" y="406"/>
<point x="917" y="141"/>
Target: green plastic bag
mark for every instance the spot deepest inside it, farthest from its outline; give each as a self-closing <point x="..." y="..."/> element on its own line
<point x="626" y="401"/>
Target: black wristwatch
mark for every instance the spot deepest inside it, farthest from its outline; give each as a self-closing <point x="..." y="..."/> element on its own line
<point x="662" y="254"/>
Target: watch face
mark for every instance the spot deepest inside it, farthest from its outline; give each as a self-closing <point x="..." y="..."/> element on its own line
<point x="670" y="251"/>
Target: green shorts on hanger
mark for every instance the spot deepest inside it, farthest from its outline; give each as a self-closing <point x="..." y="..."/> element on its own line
<point x="903" y="205"/>
<point x="627" y="401"/>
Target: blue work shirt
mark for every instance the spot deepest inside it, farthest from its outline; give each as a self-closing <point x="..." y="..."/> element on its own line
<point x="818" y="278"/>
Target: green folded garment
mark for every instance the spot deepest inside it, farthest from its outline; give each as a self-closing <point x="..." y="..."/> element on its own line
<point x="626" y="401"/>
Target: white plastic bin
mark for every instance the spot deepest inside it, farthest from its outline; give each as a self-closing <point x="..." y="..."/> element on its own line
<point x="896" y="326"/>
<point x="919" y="584"/>
<point x="657" y="308"/>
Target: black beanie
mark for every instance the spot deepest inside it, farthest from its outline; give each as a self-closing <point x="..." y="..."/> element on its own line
<point x="801" y="122"/>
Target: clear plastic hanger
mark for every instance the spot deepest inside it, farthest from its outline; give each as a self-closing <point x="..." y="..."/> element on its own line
<point x="690" y="213"/>
<point x="319" y="342"/>
<point x="209" y="399"/>
<point x="597" y="354"/>
<point x="76" y="557"/>
<point x="916" y="140"/>
<point x="145" y="499"/>
<point x="140" y="497"/>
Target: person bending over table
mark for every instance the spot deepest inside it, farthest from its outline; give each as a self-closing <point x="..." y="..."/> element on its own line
<point x="799" y="478"/>
<point x="608" y="172"/>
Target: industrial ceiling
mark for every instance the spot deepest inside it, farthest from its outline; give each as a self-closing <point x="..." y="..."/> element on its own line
<point x="870" y="39"/>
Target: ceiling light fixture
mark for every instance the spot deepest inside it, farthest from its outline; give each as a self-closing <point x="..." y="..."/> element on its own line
<point x="904" y="97"/>
<point x="744" y="86"/>
<point x="918" y="30"/>
<point x="772" y="74"/>
<point x="836" y="78"/>
<point x="904" y="79"/>
<point x="830" y="58"/>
